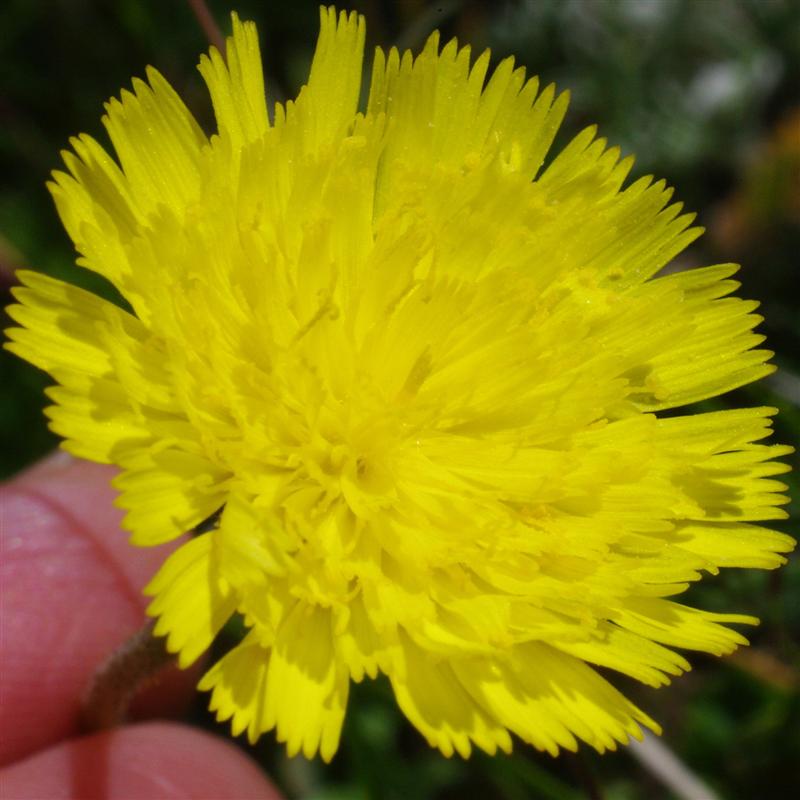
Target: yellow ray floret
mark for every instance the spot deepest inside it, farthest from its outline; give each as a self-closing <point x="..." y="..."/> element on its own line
<point x="409" y="373"/>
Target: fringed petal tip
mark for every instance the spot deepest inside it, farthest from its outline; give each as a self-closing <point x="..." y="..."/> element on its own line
<point x="294" y="687"/>
<point x="189" y="600"/>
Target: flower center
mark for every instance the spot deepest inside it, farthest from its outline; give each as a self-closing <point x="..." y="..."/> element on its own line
<point x="351" y="461"/>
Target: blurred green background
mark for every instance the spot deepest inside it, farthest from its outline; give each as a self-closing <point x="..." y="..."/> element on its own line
<point x="706" y="93"/>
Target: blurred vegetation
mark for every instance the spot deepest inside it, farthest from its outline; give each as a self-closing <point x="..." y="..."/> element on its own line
<point x="705" y="92"/>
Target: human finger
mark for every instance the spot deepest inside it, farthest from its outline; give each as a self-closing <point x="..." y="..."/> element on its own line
<point x="153" y="761"/>
<point x="71" y="595"/>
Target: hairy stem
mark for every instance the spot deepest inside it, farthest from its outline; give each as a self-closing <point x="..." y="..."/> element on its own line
<point x="136" y="662"/>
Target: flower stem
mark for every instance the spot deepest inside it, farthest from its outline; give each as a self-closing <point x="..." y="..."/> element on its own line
<point x="662" y="763"/>
<point x="135" y="663"/>
<point x="208" y="24"/>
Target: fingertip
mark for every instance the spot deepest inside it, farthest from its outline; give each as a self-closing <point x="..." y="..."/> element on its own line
<point x="82" y="491"/>
<point x="162" y="760"/>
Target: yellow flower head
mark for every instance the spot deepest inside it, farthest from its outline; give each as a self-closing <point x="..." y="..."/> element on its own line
<point x="421" y="377"/>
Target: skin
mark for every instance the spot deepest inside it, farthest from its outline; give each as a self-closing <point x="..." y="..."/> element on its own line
<point x="71" y="593"/>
